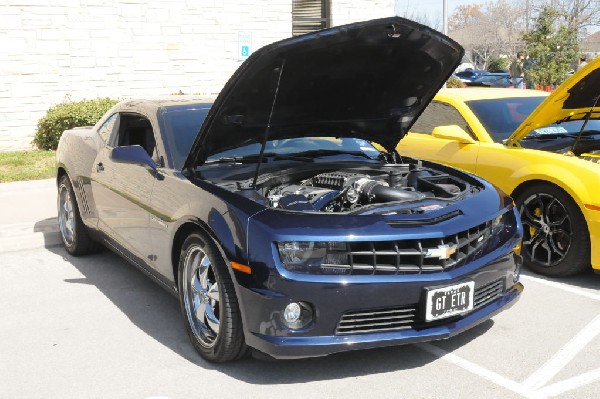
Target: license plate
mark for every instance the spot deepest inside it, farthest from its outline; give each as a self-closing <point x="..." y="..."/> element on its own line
<point x="449" y="301"/>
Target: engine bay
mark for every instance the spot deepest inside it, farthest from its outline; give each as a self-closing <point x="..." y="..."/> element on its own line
<point x="351" y="189"/>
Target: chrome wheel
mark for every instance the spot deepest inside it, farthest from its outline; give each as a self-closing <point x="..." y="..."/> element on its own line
<point x="66" y="220"/>
<point x="548" y="231"/>
<point x="201" y="296"/>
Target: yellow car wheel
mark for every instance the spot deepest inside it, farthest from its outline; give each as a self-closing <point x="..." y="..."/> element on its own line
<point x="556" y="241"/>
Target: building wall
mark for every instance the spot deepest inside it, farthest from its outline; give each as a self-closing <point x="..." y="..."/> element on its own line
<point x="348" y="11"/>
<point x="52" y="50"/>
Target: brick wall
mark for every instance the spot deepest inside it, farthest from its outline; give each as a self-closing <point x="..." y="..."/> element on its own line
<point x="348" y="11"/>
<point x="56" y="49"/>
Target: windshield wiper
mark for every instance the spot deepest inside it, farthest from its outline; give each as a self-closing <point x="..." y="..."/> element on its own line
<point x="559" y="135"/>
<point x="265" y="158"/>
<point x="321" y="153"/>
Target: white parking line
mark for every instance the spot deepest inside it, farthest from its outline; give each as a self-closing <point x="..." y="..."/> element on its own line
<point x="481" y="371"/>
<point x="563" y="286"/>
<point x="564" y="355"/>
<point x="571" y="383"/>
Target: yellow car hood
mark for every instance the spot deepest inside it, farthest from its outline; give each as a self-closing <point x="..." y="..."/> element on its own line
<point x="572" y="100"/>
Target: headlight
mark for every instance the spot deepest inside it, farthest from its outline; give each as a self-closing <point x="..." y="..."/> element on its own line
<point x="503" y="228"/>
<point x="314" y="257"/>
<point x="497" y="225"/>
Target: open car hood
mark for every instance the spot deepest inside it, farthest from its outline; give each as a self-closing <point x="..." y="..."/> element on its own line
<point x="368" y="80"/>
<point x="572" y="100"/>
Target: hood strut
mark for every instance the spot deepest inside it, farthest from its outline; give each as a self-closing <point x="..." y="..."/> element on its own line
<point x="266" y="135"/>
<point x="585" y="122"/>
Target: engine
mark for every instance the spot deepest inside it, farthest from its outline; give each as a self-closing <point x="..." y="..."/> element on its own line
<point x="341" y="191"/>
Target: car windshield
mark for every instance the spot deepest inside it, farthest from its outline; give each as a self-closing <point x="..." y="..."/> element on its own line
<point x="311" y="146"/>
<point x="502" y="116"/>
<point x="181" y="125"/>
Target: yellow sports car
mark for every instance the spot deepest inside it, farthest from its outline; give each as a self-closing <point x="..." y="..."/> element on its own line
<point x="543" y="150"/>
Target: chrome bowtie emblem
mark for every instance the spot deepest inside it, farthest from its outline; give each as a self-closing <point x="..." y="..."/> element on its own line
<point x="442" y="252"/>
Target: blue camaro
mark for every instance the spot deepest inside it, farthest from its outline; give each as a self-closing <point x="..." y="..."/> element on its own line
<point x="280" y="226"/>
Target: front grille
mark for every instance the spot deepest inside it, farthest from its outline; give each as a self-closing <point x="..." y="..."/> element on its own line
<point x="406" y="256"/>
<point x="488" y="293"/>
<point x="380" y="320"/>
<point x="406" y="317"/>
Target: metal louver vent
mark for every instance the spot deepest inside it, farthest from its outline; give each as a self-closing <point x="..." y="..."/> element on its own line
<point x="85" y="208"/>
<point x="309" y="16"/>
<point x="405" y="317"/>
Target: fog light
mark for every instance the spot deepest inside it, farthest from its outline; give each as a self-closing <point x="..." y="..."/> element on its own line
<point x="292" y="312"/>
<point x="297" y="315"/>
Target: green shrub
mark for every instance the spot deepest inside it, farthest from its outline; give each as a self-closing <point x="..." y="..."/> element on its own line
<point x="498" y="64"/>
<point x="66" y="116"/>
<point x="454" y="82"/>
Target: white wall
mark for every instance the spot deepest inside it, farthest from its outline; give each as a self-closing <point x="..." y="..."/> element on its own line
<point x="54" y="49"/>
<point x="348" y="11"/>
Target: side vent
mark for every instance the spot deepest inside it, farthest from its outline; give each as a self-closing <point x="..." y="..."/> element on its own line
<point x="84" y="207"/>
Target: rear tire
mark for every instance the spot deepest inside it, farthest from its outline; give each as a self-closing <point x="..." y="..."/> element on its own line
<point x="208" y="302"/>
<point x="556" y="241"/>
<point x="74" y="234"/>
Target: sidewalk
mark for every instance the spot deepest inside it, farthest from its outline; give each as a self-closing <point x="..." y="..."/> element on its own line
<point x="28" y="215"/>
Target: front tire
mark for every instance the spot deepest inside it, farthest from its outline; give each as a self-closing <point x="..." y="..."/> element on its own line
<point x="556" y="241"/>
<point x="208" y="302"/>
<point x="74" y="234"/>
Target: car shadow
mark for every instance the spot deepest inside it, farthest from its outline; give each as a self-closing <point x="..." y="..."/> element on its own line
<point x="49" y="228"/>
<point x="156" y="312"/>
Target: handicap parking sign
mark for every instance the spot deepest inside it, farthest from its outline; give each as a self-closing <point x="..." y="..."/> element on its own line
<point x="244" y="45"/>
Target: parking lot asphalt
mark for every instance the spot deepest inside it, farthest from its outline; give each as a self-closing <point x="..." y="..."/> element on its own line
<point x="96" y="327"/>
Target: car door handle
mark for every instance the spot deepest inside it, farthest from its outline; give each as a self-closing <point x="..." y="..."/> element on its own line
<point x="99" y="167"/>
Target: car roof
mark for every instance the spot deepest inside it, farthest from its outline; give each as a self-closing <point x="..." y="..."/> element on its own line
<point x="153" y="104"/>
<point x="472" y="93"/>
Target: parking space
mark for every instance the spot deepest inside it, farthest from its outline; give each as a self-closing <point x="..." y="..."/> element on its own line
<point x="96" y="327"/>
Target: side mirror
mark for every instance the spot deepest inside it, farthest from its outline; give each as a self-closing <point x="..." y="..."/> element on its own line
<point x="454" y="133"/>
<point x="133" y="154"/>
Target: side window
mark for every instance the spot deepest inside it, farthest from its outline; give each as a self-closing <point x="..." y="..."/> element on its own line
<point x="107" y="127"/>
<point x="135" y="129"/>
<point x="439" y="114"/>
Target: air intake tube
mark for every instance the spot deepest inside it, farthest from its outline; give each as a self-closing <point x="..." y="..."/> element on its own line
<point x="375" y="191"/>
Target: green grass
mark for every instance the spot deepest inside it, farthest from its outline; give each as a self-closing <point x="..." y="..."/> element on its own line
<point x="26" y="165"/>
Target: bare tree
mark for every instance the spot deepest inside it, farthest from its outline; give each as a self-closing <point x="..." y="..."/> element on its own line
<point x="491" y="30"/>
<point x="580" y="14"/>
<point x="465" y="15"/>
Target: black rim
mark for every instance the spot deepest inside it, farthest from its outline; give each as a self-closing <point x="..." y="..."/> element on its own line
<point x="547" y="229"/>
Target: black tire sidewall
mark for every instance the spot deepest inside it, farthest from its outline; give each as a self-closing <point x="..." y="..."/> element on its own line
<point x="229" y="320"/>
<point x="578" y="255"/>
<point x="73" y="247"/>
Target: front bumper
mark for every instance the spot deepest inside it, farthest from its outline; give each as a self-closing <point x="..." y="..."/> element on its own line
<point x="265" y="331"/>
<point x="301" y="347"/>
<point x="593" y="221"/>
